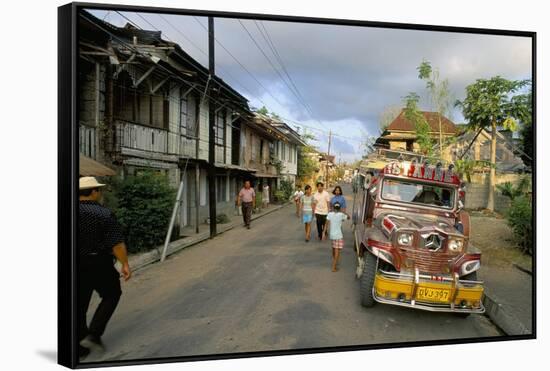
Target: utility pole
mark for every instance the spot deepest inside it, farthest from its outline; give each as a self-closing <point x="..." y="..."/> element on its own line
<point x="211" y="131"/>
<point x="328" y="155"/>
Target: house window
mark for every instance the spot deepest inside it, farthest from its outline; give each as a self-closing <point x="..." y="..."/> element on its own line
<point x="219" y="128"/>
<point x="221" y="191"/>
<point x="188" y="115"/>
<point x="261" y="151"/>
<point x="253" y="152"/>
<point x="138" y="105"/>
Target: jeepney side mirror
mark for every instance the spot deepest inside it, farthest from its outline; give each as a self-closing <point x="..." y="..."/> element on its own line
<point x="460" y="205"/>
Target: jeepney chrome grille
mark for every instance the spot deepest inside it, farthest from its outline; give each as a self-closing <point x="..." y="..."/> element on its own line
<point x="433" y="262"/>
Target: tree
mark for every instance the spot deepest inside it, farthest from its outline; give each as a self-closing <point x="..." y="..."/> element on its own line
<point x="264" y="111"/>
<point x="526" y="132"/>
<point x="307" y="165"/>
<point x="440" y="95"/>
<point x="489" y="104"/>
<point x="422" y="128"/>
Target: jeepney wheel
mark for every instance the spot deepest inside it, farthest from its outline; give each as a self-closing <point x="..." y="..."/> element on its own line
<point x="470" y="277"/>
<point x="367" y="280"/>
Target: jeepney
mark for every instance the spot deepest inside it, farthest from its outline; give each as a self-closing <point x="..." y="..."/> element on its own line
<point x="412" y="239"/>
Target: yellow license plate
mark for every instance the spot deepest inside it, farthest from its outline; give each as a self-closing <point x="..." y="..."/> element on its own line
<point x="436" y="295"/>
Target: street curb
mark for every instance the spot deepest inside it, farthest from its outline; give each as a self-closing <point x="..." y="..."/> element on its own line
<point x="142" y="260"/>
<point x="502" y="316"/>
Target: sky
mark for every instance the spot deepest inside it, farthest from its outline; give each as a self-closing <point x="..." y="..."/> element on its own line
<point x="345" y="76"/>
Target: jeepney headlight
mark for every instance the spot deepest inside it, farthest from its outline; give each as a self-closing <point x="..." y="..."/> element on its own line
<point x="456" y="244"/>
<point x="405" y="239"/>
<point x="469" y="267"/>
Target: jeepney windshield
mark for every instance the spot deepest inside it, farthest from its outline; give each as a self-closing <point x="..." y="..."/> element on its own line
<point x="418" y="193"/>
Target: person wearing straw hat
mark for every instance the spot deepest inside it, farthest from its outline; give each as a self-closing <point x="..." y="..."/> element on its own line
<point x="100" y="242"/>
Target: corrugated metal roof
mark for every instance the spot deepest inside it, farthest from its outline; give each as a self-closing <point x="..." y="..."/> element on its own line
<point x="90" y="167"/>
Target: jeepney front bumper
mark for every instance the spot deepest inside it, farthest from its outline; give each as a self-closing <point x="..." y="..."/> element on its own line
<point x="432" y="293"/>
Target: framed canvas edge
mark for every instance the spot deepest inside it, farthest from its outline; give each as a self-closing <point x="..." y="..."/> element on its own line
<point x="68" y="174"/>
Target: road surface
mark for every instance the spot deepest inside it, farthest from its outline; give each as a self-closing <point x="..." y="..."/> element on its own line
<point x="262" y="289"/>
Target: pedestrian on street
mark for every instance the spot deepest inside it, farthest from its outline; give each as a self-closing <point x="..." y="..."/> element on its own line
<point x="307" y="205"/>
<point x="322" y="205"/>
<point x="338" y="198"/>
<point x="100" y="244"/>
<point x="297" y="197"/>
<point x="334" y="229"/>
<point x="265" y="196"/>
<point x="247" y="198"/>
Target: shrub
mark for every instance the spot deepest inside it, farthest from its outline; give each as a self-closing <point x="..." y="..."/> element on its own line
<point x="287" y="188"/>
<point x="519" y="217"/>
<point x="523" y="188"/>
<point x="279" y="196"/>
<point x="222" y="219"/>
<point x="144" y="207"/>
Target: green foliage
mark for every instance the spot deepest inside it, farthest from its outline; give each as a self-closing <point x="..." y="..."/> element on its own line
<point x="144" y="206"/>
<point x="222" y="219"/>
<point x="424" y="70"/>
<point x="525" y="116"/>
<point x="466" y="167"/>
<point x="520" y="218"/>
<point x="523" y="188"/>
<point x="307" y="165"/>
<point x="489" y="103"/>
<point x="284" y="192"/>
<point x="263" y="110"/>
<point x="277" y="163"/>
<point x="287" y="189"/>
<point x="422" y="128"/>
<point x="439" y="92"/>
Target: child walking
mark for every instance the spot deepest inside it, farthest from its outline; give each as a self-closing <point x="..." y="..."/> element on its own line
<point x="333" y="227"/>
<point x="307" y="205"/>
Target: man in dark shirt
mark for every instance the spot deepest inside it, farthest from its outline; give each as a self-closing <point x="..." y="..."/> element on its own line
<point x="100" y="242"/>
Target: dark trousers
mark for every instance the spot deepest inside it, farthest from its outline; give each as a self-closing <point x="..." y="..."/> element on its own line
<point x="99" y="274"/>
<point x="320" y="219"/>
<point x="247" y="212"/>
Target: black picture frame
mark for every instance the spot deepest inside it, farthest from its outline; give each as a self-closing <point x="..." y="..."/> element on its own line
<point x="68" y="172"/>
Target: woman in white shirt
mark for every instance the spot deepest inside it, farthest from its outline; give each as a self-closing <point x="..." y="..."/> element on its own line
<point x="297" y="197"/>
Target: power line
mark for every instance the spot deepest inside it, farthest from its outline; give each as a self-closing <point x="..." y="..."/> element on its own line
<point x="275" y="52"/>
<point x="277" y="55"/>
<point x="220" y="67"/>
<point x="269" y="61"/>
<point x="240" y="64"/>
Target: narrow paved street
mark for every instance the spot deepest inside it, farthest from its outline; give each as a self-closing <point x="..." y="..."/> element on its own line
<point x="262" y="289"/>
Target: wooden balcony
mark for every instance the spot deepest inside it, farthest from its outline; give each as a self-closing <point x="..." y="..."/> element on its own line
<point x="144" y="138"/>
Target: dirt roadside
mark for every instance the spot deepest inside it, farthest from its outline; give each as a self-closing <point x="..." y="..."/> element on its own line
<point x="495" y="239"/>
